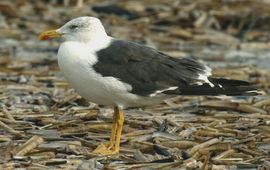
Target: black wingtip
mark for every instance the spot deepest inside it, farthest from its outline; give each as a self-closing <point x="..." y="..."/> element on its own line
<point x="221" y="87"/>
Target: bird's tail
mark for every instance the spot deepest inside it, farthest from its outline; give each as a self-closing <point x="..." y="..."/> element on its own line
<point x="220" y="87"/>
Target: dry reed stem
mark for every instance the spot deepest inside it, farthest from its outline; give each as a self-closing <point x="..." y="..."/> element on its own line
<point x="9" y="129"/>
<point x="31" y="144"/>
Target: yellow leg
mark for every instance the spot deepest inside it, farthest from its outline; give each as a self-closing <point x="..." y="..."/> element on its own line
<point x="114" y="129"/>
<point x="114" y="146"/>
<point x="120" y="123"/>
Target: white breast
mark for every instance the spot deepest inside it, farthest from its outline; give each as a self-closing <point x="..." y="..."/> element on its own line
<point x="76" y="60"/>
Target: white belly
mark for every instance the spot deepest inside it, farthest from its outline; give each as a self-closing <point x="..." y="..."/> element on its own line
<point x="76" y="65"/>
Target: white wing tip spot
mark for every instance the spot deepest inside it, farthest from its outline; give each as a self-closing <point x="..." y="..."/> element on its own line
<point x="204" y="78"/>
<point x="160" y="91"/>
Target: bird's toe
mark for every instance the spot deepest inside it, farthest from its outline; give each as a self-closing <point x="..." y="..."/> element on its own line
<point x="102" y="149"/>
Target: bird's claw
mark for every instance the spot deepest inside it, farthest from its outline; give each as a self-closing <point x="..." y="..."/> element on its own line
<point x="106" y="150"/>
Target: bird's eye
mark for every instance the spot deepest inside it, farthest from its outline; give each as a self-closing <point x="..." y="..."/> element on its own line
<point x="73" y="26"/>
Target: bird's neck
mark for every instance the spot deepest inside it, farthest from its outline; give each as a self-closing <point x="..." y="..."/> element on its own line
<point x="98" y="42"/>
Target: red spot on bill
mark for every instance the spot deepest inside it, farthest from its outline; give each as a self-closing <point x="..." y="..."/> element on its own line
<point x="46" y="37"/>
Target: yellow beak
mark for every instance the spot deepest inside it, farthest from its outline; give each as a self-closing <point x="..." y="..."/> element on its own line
<point x="49" y="34"/>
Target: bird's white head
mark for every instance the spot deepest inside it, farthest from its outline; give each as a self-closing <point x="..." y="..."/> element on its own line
<point x="83" y="29"/>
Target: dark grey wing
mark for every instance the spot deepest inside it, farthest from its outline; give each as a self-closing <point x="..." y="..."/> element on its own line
<point x="147" y="70"/>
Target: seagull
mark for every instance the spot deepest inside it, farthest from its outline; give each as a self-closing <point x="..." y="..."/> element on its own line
<point x="123" y="74"/>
